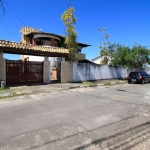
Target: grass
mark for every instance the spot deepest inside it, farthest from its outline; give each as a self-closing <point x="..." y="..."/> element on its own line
<point x="14" y="94"/>
<point x="108" y="82"/>
<point x="88" y="83"/>
<point x="3" y="89"/>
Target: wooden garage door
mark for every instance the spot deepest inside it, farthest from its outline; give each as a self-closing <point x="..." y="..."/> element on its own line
<point x="23" y="72"/>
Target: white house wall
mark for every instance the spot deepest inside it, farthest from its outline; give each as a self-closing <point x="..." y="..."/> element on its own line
<point x="39" y="58"/>
<point x="97" y="61"/>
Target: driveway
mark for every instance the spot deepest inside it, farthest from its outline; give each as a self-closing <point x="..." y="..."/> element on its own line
<point x="110" y="117"/>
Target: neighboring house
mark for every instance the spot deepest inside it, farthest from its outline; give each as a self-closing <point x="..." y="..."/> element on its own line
<point x="36" y="37"/>
<point x="98" y="60"/>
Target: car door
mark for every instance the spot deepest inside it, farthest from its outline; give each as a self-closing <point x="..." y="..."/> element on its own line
<point x="146" y="77"/>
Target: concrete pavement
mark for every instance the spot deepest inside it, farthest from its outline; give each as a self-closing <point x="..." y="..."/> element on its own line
<point x="102" y="117"/>
<point x="53" y="86"/>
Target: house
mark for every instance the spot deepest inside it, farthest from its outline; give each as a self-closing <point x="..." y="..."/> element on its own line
<point x="38" y="50"/>
<point x="46" y="39"/>
<point x="38" y="38"/>
<point x="98" y="60"/>
<point x="14" y="72"/>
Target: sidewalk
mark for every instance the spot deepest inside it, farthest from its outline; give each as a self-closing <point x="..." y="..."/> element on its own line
<point x="53" y="86"/>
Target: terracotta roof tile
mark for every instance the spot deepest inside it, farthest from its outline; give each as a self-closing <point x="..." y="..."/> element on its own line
<point x="15" y="45"/>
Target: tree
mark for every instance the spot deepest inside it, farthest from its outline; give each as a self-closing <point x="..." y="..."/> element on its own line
<point x="134" y="57"/>
<point x="105" y="54"/>
<point x="121" y="56"/>
<point x="101" y="30"/>
<point x="71" y="39"/>
<point x="140" y="56"/>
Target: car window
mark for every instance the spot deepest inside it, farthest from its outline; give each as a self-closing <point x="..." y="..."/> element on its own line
<point x="134" y="73"/>
<point x="144" y="73"/>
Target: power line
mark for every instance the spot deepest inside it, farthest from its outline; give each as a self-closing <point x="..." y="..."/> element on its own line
<point x="14" y="13"/>
<point x="8" y="28"/>
<point x="12" y="21"/>
<point x="3" y="9"/>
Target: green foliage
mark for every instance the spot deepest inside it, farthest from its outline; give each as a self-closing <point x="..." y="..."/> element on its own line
<point x="62" y="42"/>
<point x="120" y="55"/>
<point x="137" y="56"/>
<point x="71" y="39"/>
<point x="4" y="88"/>
<point x="104" y="61"/>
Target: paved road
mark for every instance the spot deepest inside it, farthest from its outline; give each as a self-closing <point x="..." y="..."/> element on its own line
<point x="115" y="117"/>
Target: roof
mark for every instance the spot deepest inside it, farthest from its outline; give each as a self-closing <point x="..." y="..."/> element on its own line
<point x="86" y="61"/>
<point x="96" y="58"/>
<point x="28" y="49"/>
<point x="56" y="35"/>
<point x="82" y="44"/>
<point x="47" y="33"/>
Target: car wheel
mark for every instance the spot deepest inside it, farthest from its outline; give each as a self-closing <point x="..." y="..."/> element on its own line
<point x="129" y="82"/>
<point x="143" y="81"/>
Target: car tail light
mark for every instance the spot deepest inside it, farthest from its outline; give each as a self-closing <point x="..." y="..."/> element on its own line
<point x="140" y="77"/>
<point x="128" y="76"/>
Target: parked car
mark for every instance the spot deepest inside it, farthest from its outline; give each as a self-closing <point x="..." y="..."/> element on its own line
<point x="139" y="76"/>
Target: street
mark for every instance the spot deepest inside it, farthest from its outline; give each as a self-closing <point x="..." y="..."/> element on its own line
<point x="103" y="117"/>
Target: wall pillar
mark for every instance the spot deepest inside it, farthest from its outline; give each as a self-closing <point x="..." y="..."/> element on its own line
<point x="34" y="41"/>
<point x="46" y="71"/>
<point x="66" y="72"/>
<point x="2" y="68"/>
<point x="52" y="42"/>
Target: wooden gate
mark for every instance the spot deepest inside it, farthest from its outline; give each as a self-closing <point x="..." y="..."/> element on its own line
<point x="59" y="71"/>
<point x="23" y="72"/>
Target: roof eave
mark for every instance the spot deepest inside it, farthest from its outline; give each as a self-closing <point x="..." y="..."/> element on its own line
<point x="51" y="34"/>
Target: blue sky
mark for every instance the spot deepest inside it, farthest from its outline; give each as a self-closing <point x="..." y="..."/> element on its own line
<point x="127" y="21"/>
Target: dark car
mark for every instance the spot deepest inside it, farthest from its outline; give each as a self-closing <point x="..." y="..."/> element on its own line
<point x="139" y="76"/>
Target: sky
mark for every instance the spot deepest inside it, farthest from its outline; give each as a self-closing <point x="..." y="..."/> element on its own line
<point x="127" y="21"/>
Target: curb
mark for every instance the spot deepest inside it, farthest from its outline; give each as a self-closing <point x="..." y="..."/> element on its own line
<point x="93" y="85"/>
<point x="74" y="87"/>
<point x="100" y="84"/>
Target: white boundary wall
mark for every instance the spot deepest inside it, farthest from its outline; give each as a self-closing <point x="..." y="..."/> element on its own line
<point x="87" y="72"/>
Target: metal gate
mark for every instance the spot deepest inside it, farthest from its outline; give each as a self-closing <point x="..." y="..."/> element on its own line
<point x="23" y="72"/>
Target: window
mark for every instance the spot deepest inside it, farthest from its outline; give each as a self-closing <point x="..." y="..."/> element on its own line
<point x="135" y="73"/>
<point x="39" y="43"/>
<point x="144" y="73"/>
